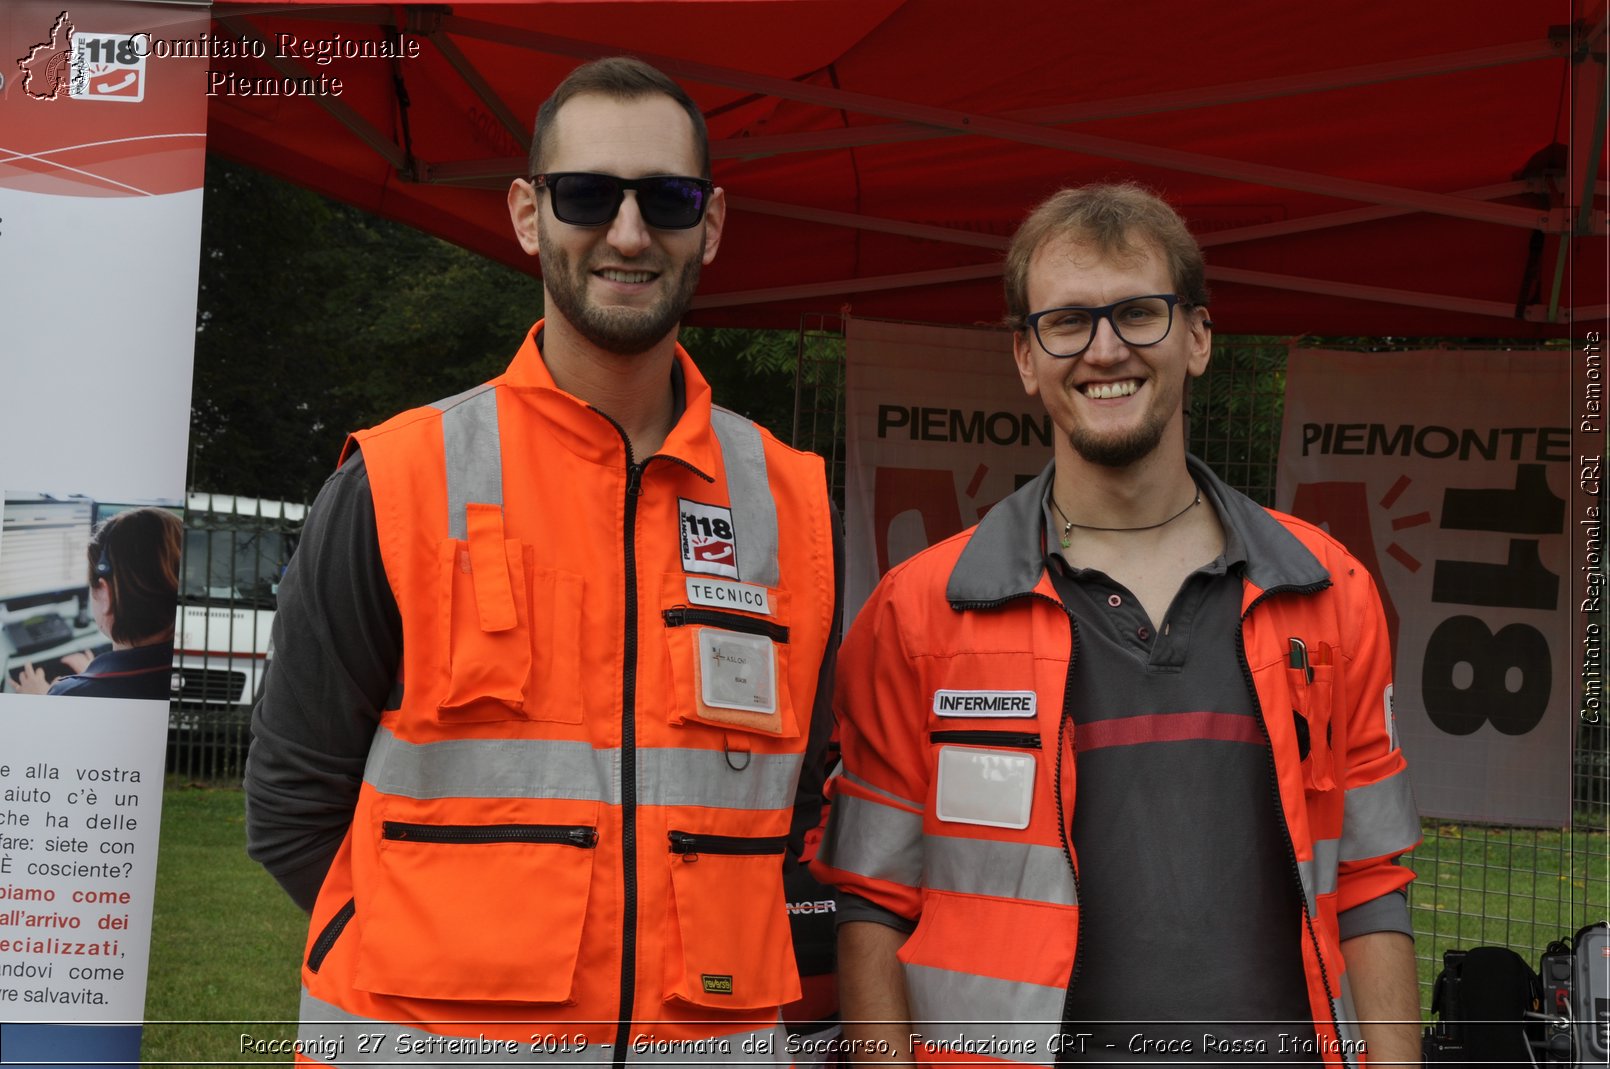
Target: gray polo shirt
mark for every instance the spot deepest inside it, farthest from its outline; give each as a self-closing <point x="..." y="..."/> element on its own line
<point x="1190" y="904"/>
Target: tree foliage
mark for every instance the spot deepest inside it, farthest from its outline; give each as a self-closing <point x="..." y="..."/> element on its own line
<point x="315" y="319"/>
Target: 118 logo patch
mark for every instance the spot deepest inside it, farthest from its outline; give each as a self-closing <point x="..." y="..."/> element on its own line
<point x="708" y="544"/>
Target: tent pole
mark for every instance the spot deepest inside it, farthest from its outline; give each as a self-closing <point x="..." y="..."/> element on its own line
<point x="1026" y="133"/>
<point x="483" y="89"/>
<point x="1151" y="103"/>
<point x="342" y="113"/>
<point x="1584" y="166"/>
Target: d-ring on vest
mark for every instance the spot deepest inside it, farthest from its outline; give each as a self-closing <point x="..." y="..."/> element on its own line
<point x="552" y="830"/>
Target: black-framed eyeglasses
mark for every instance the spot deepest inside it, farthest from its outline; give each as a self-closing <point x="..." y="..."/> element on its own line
<point x="1138" y="321"/>
<point x="665" y="201"/>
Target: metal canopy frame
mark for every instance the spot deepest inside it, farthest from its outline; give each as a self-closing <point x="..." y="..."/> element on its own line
<point x="1041" y="127"/>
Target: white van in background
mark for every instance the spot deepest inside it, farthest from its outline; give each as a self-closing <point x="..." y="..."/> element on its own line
<point x="235" y="552"/>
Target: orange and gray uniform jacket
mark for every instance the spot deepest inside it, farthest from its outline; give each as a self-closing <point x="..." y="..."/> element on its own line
<point x="941" y="817"/>
<point x="573" y="818"/>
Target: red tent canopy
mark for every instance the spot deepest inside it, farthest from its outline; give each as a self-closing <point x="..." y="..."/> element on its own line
<point x="1365" y="168"/>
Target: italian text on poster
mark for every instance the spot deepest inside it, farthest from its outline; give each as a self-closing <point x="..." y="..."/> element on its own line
<point x="100" y="227"/>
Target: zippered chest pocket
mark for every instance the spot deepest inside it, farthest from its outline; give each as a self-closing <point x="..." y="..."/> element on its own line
<point x="985" y="777"/>
<point x="730" y="670"/>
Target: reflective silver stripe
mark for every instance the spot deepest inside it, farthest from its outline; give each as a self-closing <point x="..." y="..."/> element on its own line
<point x="550" y="768"/>
<point x="475" y="473"/>
<point x="880" y="792"/>
<point x="1379" y="819"/>
<point x="474" y="460"/>
<point x="1005" y="870"/>
<point x="335" y="1037"/>
<point x="983" y="1016"/>
<point x="754" y="510"/>
<point x="703" y="777"/>
<point x="1319" y="875"/>
<point x="873" y="840"/>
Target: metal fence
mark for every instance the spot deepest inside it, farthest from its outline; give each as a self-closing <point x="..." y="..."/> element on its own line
<point x="235" y="550"/>
<point x="1519" y="887"/>
<point x="1476" y="884"/>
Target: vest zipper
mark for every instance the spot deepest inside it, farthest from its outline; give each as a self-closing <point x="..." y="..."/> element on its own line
<point x="558" y="834"/>
<point x="690" y="846"/>
<point x="1062" y="825"/>
<point x="682" y="616"/>
<point x="1056" y="786"/>
<point x="332" y="932"/>
<point x="1015" y="740"/>
<point x="634" y="490"/>
<point x="1280" y="809"/>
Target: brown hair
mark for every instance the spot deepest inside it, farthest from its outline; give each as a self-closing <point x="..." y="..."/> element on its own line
<point x="137" y="554"/>
<point x="1118" y="219"/>
<point x="620" y="78"/>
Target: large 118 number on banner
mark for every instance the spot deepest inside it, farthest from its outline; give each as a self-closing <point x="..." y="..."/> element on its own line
<point x="1470" y="674"/>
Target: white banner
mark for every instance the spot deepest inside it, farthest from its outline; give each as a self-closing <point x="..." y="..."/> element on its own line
<point x="100" y="223"/>
<point x="1447" y="474"/>
<point x="938" y="430"/>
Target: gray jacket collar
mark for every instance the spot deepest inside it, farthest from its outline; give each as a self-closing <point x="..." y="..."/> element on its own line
<point x="1005" y="557"/>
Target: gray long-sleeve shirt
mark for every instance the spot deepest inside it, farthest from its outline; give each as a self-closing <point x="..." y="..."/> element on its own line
<point x="337" y="645"/>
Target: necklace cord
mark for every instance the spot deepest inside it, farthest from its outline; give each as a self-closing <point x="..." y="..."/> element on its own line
<point x="1068" y="525"/>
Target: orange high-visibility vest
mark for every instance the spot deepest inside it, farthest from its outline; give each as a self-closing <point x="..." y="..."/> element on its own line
<point x="575" y="815"/>
<point x="994" y="892"/>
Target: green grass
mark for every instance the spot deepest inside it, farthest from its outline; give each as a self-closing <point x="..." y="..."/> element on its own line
<point x="1497" y="886"/>
<point x="226" y="941"/>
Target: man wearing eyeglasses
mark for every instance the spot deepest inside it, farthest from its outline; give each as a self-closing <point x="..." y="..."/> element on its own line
<point x="1120" y="782"/>
<point x="547" y="662"/>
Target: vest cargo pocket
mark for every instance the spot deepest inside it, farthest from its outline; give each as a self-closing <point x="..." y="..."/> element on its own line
<point x="730" y="948"/>
<point x="486" y="912"/>
<point x="486" y="619"/>
<point x="1312" y="707"/>
<point x="730" y="671"/>
<point x="556" y="693"/>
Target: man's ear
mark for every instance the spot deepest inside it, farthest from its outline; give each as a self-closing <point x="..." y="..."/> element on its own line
<point x="1201" y="341"/>
<point x="523" y="214"/>
<point x="715" y="218"/>
<point x="1023" y="353"/>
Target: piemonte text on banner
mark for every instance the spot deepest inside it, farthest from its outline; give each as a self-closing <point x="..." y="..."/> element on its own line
<point x="1455" y="498"/>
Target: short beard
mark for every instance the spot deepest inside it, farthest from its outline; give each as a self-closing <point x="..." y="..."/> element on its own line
<point x="622" y="331"/>
<point x="1118" y="452"/>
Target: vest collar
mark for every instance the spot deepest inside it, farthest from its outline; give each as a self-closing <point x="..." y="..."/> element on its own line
<point x="1005" y="557"/>
<point x="583" y="428"/>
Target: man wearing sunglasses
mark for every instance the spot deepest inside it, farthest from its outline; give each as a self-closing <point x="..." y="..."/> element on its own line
<point x="1119" y="781"/>
<point x="548" y="660"/>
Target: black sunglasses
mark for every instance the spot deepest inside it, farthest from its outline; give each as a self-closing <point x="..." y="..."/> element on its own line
<point x="666" y="201"/>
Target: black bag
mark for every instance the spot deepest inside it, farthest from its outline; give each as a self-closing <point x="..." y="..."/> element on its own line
<point x="1481" y="999"/>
